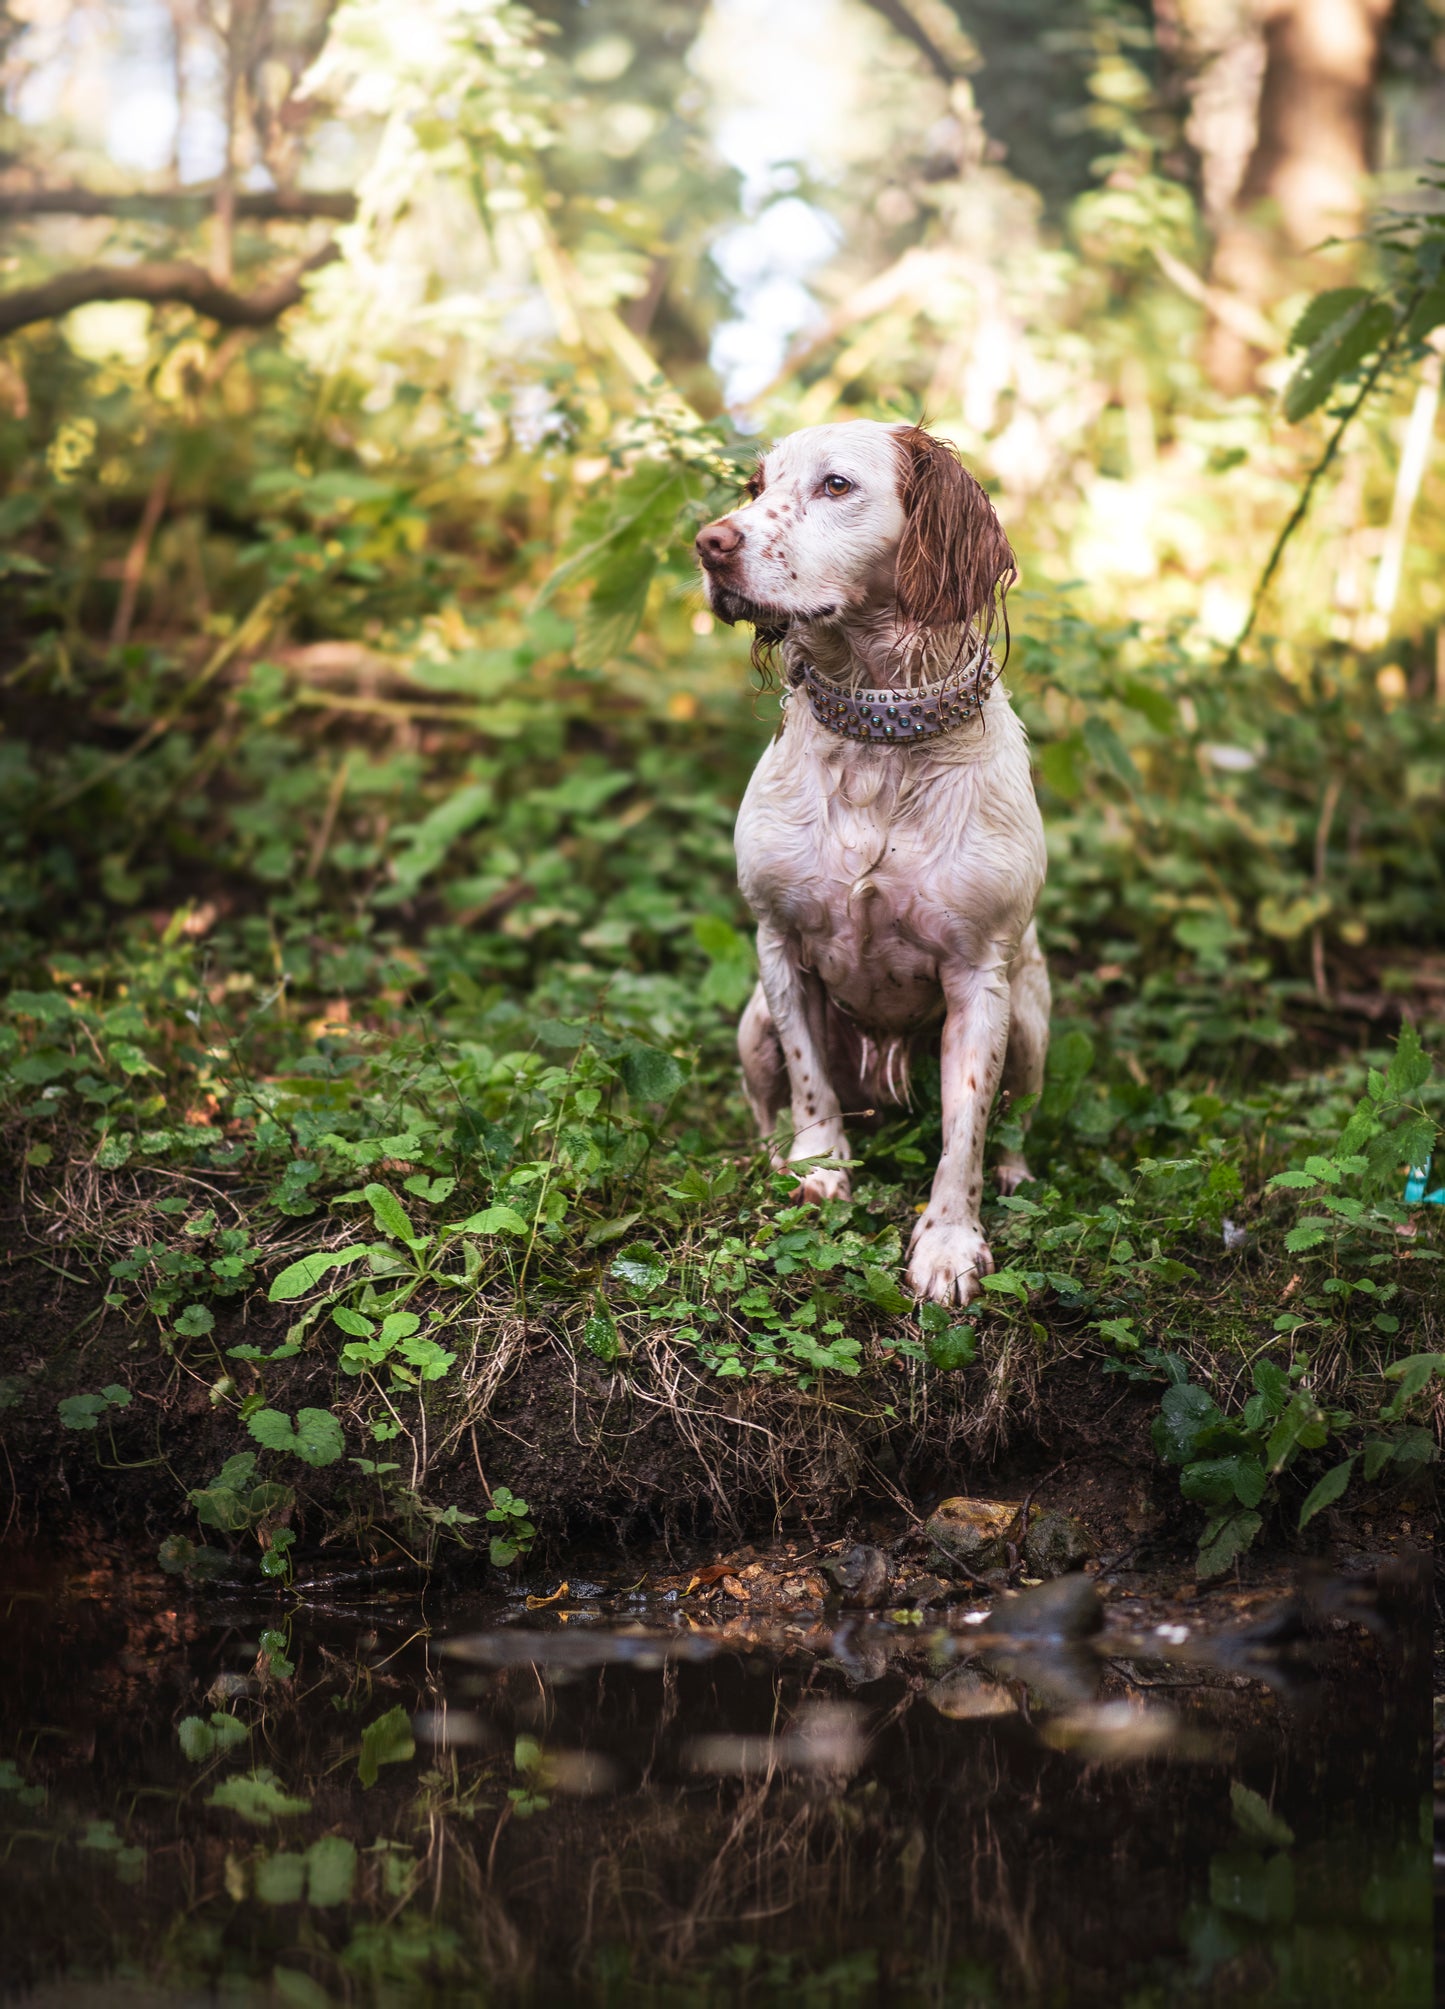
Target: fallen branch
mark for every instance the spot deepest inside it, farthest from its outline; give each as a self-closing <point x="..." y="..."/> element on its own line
<point x="188" y="285"/>
<point x="269" y="206"/>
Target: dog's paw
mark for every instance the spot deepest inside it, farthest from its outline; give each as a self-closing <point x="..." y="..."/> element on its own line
<point x="947" y="1265"/>
<point x="825" y="1182"/>
<point x="1011" y="1173"/>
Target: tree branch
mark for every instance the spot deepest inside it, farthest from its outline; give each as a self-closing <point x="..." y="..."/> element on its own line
<point x="270" y="206"/>
<point x="901" y="19"/>
<point x="191" y="285"/>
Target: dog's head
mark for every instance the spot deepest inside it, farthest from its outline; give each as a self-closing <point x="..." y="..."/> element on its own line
<point x="855" y="519"/>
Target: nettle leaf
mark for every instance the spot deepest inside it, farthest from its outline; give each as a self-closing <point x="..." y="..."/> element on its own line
<point x="1327" y="1490"/>
<point x="1226" y="1537"/>
<point x="316" y="1436"/>
<point x="648" y="1074"/>
<point x="387" y="1741"/>
<point x="303" y="1276"/>
<point x="951" y="1348"/>
<point x="1186" y="1413"/>
<point x="1410" y="1066"/>
<point x="1214" y="1482"/>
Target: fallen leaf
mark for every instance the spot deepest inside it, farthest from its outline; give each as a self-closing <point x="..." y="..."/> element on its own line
<point x="541" y="1603"/>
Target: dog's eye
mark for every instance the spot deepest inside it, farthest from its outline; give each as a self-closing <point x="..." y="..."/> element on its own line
<point x="753" y="486"/>
<point x="836" y="484"/>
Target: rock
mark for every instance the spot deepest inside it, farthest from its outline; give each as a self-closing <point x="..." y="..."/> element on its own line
<point x="1068" y="1608"/>
<point x="1056" y="1544"/>
<point x="924" y="1591"/>
<point x="971" y="1533"/>
<point x="860" y="1575"/>
<point x="966" y="1695"/>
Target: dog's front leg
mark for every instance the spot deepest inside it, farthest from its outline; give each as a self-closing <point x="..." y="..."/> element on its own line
<point x="948" y="1256"/>
<point x="798" y="1011"/>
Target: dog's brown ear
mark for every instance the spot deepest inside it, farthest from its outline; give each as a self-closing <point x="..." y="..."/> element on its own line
<point x="955" y="564"/>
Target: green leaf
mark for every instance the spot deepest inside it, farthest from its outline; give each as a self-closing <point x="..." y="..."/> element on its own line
<point x="1326" y="1490"/>
<point x="316" y="1436"/>
<point x="1225" y="1538"/>
<point x="81" y="1412"/>
<point x="389" y="1214"/>
<point x="649" y="1074"/>
<point x="197" y="1738"/>
<point x="1185" y="1414"/>
<point x="1340" y="349"/>
<point x="1272" y="1383"/>
<point x="493" y="1221"/>
<point x="257" y="1797"/>
<point x="1214" y="1482"/>
<point x="1110" y="751"/>
<point x="1412" y="1374"/>
<point x="881" y="1290"/>
<point x="280" y="1878"/>
<point x="951" y="1348"/>
<point x="1410" y="1065"/>
<point x="1428" y="312"/>
<point x="610" y="1231"/>
<point x="300" y="1277"/>
<point x="195" y="1321"/>
<point x="1070" y="1062"/>
<point x="1254" y="1820"/>
<point x="387" y="1741"/>
<point x="1324" y="312"/>
<point x="640" y="1267"/>
<point x="331" y="1869"/>
<point x="600" y="1333"/>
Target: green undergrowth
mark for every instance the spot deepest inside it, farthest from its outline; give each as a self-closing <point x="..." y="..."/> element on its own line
<point x="372" y="961"/>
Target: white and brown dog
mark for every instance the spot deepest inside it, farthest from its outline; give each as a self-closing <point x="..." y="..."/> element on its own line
<point x="890" y="842"/>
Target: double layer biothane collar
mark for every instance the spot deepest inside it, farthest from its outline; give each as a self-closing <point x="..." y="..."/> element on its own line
<point x="898" y="717"/>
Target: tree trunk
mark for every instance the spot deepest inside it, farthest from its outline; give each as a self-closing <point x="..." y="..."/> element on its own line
<point x="1306" y="177"/>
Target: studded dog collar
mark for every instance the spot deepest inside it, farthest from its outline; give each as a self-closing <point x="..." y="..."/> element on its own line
<point x="914" y="712"/>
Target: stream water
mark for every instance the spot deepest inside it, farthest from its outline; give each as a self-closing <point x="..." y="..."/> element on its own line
<point x="679" y="1787"/>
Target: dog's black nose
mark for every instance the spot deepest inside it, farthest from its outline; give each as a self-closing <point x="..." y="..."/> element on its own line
<point x="716" y="544"/>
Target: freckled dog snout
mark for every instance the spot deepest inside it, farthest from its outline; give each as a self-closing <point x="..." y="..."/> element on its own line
<point x="716" y="544"/>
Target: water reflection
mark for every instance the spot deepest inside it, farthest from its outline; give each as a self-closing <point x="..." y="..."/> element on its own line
<point x="376" y="1796"/>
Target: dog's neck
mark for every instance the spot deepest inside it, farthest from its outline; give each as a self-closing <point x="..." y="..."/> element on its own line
<point x="875" y="650"/>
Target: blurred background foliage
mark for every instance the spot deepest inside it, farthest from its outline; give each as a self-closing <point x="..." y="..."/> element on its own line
<point x="367" y="369"/>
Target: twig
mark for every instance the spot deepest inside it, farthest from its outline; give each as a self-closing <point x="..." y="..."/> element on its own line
<point x="1312" y="480"/>
<point x="328" y="819"/>
<point x="135" y="559"/>
<point x="1328" y="806"/>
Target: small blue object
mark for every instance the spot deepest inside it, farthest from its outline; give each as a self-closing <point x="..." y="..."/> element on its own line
<point x="1416" y="1183"/>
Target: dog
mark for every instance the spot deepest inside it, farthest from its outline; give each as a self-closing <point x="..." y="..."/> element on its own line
<point x="890" y="844"/>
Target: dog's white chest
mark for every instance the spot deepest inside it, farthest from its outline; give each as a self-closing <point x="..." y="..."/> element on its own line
<point x="881" y="863"/>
